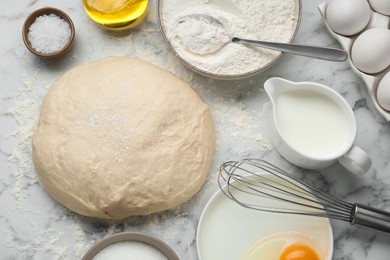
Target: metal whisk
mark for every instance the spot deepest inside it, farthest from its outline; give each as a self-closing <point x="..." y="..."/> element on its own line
<point x="259" y="185"/>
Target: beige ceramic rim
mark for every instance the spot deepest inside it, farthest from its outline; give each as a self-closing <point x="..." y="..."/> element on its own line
<point x="298" y="6"/>
<point x="30" y="20"/>
<point x="131" y="236"/>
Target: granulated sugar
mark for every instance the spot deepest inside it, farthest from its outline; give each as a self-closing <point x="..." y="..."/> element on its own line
<point x="49" y="33"/>
<point x="205" y="43"/>
<point x="130" y="250"/>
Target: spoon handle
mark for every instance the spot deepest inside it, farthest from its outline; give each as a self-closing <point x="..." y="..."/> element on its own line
<point x="322" y="53"/>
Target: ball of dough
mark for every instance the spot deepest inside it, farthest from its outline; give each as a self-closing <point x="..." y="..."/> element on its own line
<point x="121" y="137"/>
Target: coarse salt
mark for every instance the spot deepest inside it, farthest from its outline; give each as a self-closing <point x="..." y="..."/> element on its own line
<point x="49" y="33"/>
<point x="129" y="250"/>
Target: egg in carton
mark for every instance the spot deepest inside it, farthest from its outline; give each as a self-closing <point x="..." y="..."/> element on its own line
<point x="362" y="29"/>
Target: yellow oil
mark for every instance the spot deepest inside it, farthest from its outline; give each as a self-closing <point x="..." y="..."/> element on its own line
<point x="116" y="14"/>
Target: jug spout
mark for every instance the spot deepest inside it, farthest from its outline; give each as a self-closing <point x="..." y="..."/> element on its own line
<point x="276" y="86"/>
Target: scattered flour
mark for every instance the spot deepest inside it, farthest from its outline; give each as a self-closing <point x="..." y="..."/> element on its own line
<point x="25" y="112"/>
<point x="205" y="44"/>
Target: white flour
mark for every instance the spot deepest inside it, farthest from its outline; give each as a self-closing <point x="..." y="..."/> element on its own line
<point x="205" y="44"/>
<point x="197" y="35"/>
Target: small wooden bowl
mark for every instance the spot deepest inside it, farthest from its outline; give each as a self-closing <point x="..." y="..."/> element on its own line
<point x="30" y="20"/>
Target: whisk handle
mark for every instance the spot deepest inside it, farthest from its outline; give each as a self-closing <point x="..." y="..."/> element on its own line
<point x="376" y="219"/>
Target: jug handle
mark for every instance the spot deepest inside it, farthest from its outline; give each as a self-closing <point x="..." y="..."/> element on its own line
<point x="356" y="160"/>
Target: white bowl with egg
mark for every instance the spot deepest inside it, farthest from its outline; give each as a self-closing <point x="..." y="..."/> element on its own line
<point x="229" y="231"/>
<point x="207" y="50"/>
<point x="362" y="27"/>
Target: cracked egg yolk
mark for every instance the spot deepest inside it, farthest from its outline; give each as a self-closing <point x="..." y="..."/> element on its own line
<point x="298" y="252"/>
<point x="284" y="246"/>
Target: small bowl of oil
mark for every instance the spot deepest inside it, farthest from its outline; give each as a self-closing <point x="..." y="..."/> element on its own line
<point x="116" y="15"/>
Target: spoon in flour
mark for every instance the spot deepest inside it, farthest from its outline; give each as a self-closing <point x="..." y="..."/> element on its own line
<point x="202" y="34"/>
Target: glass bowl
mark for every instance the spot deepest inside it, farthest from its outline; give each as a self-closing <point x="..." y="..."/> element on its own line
<point x="223" y="76"/>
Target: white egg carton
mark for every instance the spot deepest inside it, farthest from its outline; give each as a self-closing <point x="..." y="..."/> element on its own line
<point x="371" y="80"/>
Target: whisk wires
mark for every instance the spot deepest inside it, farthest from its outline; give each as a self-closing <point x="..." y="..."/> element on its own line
<point x="259" y="185"/>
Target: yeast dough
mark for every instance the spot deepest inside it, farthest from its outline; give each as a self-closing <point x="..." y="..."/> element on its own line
<point x="120" y="137"/>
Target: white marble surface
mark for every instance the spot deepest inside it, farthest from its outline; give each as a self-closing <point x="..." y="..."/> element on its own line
<point x="34" y="226"/>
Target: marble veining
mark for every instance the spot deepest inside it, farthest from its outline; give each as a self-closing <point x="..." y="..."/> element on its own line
<point x="34" y="226"/>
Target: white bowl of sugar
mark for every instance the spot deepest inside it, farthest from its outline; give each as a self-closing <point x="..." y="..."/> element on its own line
<point x="130" y="245"/>
<point x="205" y="46"/>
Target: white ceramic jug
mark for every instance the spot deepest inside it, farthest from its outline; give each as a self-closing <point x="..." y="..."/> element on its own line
<point x="313" y="126"/>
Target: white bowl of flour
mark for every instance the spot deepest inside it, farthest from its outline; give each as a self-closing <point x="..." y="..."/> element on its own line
<point x="205" y="47"/>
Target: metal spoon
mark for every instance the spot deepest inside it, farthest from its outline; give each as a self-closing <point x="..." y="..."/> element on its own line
<point x="317" y="52"/>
